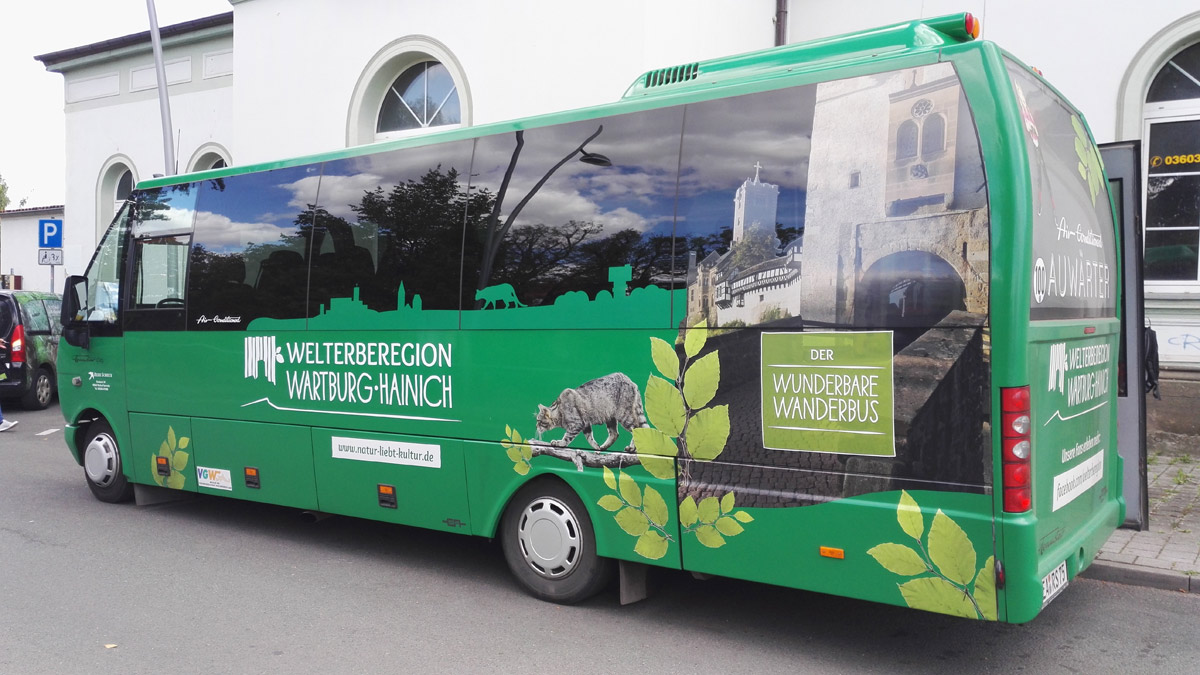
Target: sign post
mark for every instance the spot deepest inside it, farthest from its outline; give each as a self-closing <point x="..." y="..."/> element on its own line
<point x="50" y="245"/>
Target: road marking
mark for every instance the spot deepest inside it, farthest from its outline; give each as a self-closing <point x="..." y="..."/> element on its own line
<point x="47" y="432"/>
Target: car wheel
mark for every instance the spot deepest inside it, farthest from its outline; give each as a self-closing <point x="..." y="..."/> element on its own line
<point x="41" y="391"/>
<point x="550" y="546"/>
<point x="102" y="465"/>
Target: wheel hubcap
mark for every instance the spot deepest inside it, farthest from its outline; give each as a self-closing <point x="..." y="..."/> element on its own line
<point x="100" y="460"/>
<point x="549" y="535"/>
<point x="43" y="389"/>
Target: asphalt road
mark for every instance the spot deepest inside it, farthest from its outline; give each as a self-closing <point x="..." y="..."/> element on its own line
<point x="213" y="585"/>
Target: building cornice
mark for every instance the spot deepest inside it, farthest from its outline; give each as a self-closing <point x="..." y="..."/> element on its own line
<point x="220" y="25"/>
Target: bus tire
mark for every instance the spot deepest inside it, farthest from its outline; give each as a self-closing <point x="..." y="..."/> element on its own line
<point x="550" y="545"/>
<point x="102" y="465"/>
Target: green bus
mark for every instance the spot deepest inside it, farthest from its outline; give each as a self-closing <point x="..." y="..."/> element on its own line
<point x="837" y="316"/>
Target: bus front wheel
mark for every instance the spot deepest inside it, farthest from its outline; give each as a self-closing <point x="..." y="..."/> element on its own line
<point x="102" y="465"/>
<point x="550" y="546"/>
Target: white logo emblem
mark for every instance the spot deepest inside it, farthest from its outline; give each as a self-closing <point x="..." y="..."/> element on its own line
<point x="1058" y="367"/>
<point x="262" y="349"/>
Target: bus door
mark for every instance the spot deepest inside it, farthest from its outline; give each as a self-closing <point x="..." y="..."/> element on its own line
<point x="1122" y="162"/>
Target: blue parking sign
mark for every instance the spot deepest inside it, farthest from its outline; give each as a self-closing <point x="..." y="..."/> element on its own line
<point x="49" y="234"/>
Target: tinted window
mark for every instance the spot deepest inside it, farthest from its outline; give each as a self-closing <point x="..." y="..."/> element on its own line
<point x="856" y="202"/>
<point x="251" y="250"/>
<point x="1074" y="248"/>
<point x="567" y="214"/>
<point x="162" y="232"/>
<point x="392" y="224"/>
<point x="36" y="319"/>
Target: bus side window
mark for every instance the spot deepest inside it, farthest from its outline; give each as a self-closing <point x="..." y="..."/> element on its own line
<point x="587" y="214"/>
<point x="251" y="250"/>
<point x="162" y="232"/>
<point x="390" y="227"/>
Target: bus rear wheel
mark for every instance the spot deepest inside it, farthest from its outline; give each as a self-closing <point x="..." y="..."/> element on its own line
<point x="550" y="546"/>
<point x="102" y="465"/>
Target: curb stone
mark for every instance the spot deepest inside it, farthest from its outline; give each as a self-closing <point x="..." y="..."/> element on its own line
<point x="1137" y="575"/>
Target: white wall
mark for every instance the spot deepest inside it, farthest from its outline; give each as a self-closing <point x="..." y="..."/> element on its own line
<point x="19" y="250"/>
<point x="128" y="125"/>
<point x="519" y="58"/>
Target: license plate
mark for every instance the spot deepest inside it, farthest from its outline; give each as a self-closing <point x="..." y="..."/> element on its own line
<point x="1053" y="583"/>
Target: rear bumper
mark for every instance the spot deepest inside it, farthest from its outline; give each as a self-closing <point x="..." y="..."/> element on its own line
<point x="13" y="380"/>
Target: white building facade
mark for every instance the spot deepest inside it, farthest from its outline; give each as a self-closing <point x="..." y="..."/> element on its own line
<point x="281" y="78"/>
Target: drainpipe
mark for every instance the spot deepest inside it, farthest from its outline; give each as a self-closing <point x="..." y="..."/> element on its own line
<point x="781" y="12"/>
<point x="164" y="105"/>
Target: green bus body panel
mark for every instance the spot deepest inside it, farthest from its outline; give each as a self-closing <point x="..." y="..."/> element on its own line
<point x="101" y="391"/>
<point x="168" y="436"/>
<point x="281" y="454"/>
<point x="934" y="564"/>
<point x="316" y="406"/>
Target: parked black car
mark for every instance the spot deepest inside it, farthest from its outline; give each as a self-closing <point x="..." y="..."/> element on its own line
<point x="30" y="328"/>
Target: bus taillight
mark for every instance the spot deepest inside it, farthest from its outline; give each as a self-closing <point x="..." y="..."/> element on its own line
<point x="18" y="344"/>
<point x="972" y="26"/>
<point x="1016" y="449"/>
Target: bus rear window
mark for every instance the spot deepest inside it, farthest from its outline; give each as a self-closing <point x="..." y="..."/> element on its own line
<point x="1074" y="248"/>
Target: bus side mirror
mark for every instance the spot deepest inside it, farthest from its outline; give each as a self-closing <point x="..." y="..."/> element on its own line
<point x="75" y="328"/>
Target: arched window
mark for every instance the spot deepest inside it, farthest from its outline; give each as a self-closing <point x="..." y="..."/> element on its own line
<point x="410" y="85"/>
<point x="423" y="96"/>
<point x="1178" y="79"/>
<point x="116" y="181"/>
<point x="906" y="140"/>
<point x="209" y="156"/>
<point x="933" y="136"/>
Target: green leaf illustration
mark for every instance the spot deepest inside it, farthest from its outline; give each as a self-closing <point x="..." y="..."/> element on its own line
<point x="611" y="503"/>
<point x="909" y="515"/>
<point x="634" y="522"/>
<point x="709" y="510"/>
<point x="729" y="527"/>
<point x="521" y="468"/>
<point x="694" y="339"/>
<point x="743" y="517"/>
<point x="951" y="550"/>
<point x="985" y="589"/>
<point x="516" y="436"/>
<point x="665" y="359"/>
<point x="664" y="406"/>
<point x="687" y="512"/>
<point x="709" y="536"/>
<point x="179" y="460"/>
<point x="630" y="492"/>
<point x="707" y="433"/>
<point x="655" y="507"/>
<point x="171" y="438"/>
<point x="651" y="545"/>
<point x="164" y="450"/>
<point x="514" y="453"/>
<point x="727" y="502"/>
<point x="526" y="452"/>
<point x="610" y="479"/>
<point x="659" y="467"/>
<point x="176" y="481"/>
<point x="649" y="441"/>
<point x="899" y="559"/>
<point x="700" y="381"/>
<point x="508" y="431"/>
<point x="937" y="595"/>
<point x="183" y="442"/>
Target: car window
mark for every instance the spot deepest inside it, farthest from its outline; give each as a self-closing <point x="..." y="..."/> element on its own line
<point x="36" y="320"/>
<point x="54" y="309"/>
<point x="7" y="316"/>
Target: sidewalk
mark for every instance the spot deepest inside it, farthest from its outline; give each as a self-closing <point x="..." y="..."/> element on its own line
<point x="1167" y="555"/>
